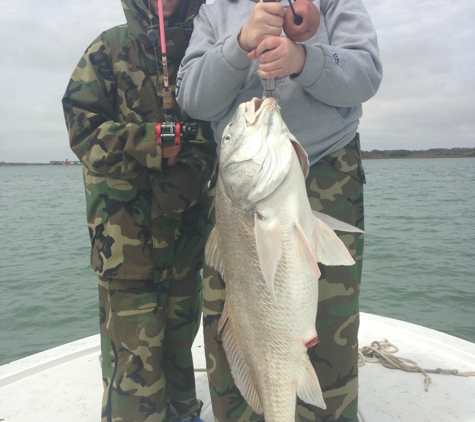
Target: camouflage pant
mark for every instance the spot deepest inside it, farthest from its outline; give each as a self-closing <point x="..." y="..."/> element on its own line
<point x="335" y="187"/>
<point x="147" y="366"/>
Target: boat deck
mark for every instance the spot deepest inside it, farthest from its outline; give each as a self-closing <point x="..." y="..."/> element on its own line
<point x="64" y="383"/>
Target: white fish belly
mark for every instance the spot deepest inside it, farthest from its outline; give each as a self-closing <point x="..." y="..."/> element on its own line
<point x="271" y="332"/>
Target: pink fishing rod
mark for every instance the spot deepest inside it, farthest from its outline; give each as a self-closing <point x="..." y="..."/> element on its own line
<point x="169" y="133"/>
<point x="167" y="129"/>
<point x="167" y="94"/>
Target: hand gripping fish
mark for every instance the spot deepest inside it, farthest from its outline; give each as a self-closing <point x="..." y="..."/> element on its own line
<point x="266" y="245"/>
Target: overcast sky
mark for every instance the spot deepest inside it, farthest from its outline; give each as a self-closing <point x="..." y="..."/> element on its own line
<point x="426" y="100"/>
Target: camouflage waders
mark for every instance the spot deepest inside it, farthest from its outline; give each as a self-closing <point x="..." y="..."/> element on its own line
<point x="146" y="340"/>
<point x="335" y="187"/>
<point x="148" y="326"/>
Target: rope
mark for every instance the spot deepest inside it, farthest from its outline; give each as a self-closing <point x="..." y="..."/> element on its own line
<point x="383" y="352"/>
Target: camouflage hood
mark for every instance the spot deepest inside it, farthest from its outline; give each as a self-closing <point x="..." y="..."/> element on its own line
<point x="139" y="18"/>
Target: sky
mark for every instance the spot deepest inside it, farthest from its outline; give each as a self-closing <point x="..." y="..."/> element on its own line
<point x="426" y="99"/>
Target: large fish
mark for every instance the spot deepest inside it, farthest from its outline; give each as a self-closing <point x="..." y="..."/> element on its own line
<point x="266" y="245"/>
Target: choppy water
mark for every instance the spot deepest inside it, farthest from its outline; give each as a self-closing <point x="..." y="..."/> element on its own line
<point x="419" y="251"/>
<point x="420" y="243"/>
<point x="47" y="290"/>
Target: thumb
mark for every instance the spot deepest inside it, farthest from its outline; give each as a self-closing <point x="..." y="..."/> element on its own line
<point x="252" y="54"/>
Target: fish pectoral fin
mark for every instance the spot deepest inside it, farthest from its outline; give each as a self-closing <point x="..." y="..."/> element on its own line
<point x="336" y="224"/>
<point x="240" y="370"/>
<point x="330" y="250"/>
<point x="308" y="386"/>
<point x="212" y="254"/>
<point x="269" y="248"/>
<point x="305" y="252"/>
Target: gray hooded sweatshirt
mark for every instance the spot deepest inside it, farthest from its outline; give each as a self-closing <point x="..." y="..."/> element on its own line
<point x="321" y="106"/>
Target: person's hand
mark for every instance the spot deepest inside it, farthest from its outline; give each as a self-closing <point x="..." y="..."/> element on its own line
<point x="266" y="20"/>
<point x="170" y="151"/>
<point x="279" y="56"/>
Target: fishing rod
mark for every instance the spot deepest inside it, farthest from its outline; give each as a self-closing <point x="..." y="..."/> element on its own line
<point x="169" y="133"/>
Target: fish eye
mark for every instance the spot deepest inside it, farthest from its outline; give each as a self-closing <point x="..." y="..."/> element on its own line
<point x="227" y="138"/>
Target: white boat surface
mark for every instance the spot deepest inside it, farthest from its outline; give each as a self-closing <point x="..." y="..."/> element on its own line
<point x="64" y="383"/>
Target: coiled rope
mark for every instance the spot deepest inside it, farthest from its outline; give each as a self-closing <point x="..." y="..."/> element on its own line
<point x="383" y="352"/>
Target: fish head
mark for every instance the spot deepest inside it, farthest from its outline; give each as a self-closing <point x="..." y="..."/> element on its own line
<point x="256" y="152"/>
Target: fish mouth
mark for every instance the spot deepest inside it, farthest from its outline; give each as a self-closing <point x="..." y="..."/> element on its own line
<point x="256" y="107"/>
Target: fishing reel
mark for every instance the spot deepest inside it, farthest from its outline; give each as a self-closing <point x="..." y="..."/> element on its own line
<point x="175" y="133"/>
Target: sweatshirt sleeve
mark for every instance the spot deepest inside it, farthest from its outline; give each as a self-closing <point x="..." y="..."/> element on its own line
<point x="211" y="66"/>
<point x="347" y="71"/>
<point x="104" y="145"/>
<point x="342" y="70"/>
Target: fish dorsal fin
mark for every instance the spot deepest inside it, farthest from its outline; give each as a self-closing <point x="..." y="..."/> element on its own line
<point x="269" y="247"/>
<point x="330" y="250"/>
<point x="212" y="254"/>
<point x="240" y="370"/>
<point x="308" y="386"/>
<point x="307" y="256"/>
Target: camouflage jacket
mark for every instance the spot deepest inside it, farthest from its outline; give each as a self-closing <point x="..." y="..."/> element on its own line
<point x="112" y="104"/>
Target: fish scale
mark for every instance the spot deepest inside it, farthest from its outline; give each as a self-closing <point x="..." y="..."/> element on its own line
<point x="266" y="244"/>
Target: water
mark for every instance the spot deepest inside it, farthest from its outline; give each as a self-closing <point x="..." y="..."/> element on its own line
<point x="420" y="243"/>
<point x="419" y="250"/>
<point x="47" y="289"/>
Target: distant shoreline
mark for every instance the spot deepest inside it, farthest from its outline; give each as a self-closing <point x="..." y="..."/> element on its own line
<point x="375" y="154"/>
<point x="51" y="163"/>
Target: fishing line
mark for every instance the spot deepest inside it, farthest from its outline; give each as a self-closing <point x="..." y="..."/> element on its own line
<point x="298" y="19"/>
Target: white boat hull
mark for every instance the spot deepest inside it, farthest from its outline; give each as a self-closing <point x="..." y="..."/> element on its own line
<point x="64" y="383"/>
